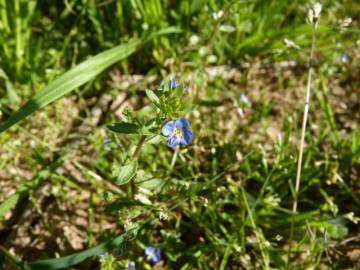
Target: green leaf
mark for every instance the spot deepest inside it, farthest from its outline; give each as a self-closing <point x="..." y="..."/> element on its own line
<point x="119" y="204"/>
<point x="155" y="139"/>
<point x="123" y="127"/>
<point x="71" y="80"/>
<point x="73" y="259"/>
<point x="152" y="183"/>
<point x="150" y="128"/>
<point x="13" y="259"/>
<point x="126" y="173"/>
<point x="152" y="96"/>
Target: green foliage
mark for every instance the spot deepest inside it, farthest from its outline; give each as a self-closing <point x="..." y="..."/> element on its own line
<point x="71" y="80"/>
<point x="126" y="173"/>
<point x="123" y="127"/>
<point x="73" y="259"/>
<point x="224" y="201"/>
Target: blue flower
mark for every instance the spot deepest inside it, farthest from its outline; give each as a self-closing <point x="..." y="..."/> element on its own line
<point x="153" y="254"/>
<point x="173" y="84"/>
<point x="177" y="132"/>
<point x="107" y="141"/>
<point x="244" y="99"/>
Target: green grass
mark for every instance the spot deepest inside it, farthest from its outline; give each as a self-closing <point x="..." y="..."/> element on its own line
<point x="229" y="195"/>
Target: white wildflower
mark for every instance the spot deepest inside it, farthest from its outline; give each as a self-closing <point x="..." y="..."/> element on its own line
<point x="272" y="200"/>
<point x="211" y="59"/>
<point x="345" y="23"/>
<point x="317" y="10"/>
<point x="350" y="216"/>
<point x="163" y="215"/>
<point x="291" y="44"/>
<point x="314" y="14"/>
<point x="194" y="39"/>
<point x="203" y="51"/>
<point x="218" y="15"/>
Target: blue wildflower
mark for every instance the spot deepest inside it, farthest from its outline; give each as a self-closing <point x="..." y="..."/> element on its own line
<point x="177" y="132"/>
<point x="107" y="141"/>
<point x="153" y="254"/>
<point x="244" y="99"/>
<point x="173" y="84"/>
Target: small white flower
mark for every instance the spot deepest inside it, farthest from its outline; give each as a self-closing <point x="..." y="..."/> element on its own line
<point x="218" y="15"/>
<point x="345" y="23"/>
<point x="311" y="16"/>
<point x="203" y="51"/>
<point x="205" y="201"/>
<point x="163" y="215"/>
<point x="314" y="14"/>
<point x="272" y="200"/>
<point x="211" y="59"/>
<point x="350" y="216"/>
<point x="317" y="10"/>
<point x="291" y="44"/>
<point x="194" y="39"/>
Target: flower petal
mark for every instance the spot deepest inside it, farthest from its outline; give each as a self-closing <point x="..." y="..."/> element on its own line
<point x="173" y="141"/>
<point x="178" y="123"/>
<point x="185" y="123"/>
<point x="188" y="136"/>
<point x="173" y="83"/>
<point x="168" y="128"/>
<point x="153" y="254"/>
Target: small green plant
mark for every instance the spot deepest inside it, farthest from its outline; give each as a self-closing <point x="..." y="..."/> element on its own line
<point x="163" y="117"/>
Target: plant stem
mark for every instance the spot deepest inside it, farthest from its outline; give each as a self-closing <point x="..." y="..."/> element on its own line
<point x="173" y="160"/>
<point x="302" y="141"/>
<point x="138" y="147"/>
<point x="258" y="234"/>
<point x="135" y="157"/>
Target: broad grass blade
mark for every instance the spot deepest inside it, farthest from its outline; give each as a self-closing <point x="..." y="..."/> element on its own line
<point x="72" y="79"/>
<point x="21" y="192"/>
<point x="73" y="259"/>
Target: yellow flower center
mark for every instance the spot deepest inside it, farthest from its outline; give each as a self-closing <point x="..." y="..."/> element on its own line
<point x="178" y="132"/>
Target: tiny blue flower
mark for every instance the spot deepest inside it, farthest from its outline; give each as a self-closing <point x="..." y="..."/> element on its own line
<point x="244" y="99"/>
<point x="177" y="132"/>
<point x="173" y="84"/>
<point x="153" y="254"/>
<point x="107" y="141"/>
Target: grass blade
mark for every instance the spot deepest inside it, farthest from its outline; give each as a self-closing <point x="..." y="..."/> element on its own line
<point x="21" y="192"/>
<point x="72" y="79"/>
<point x="13" y="259"/>
<point x="73" y="259"/>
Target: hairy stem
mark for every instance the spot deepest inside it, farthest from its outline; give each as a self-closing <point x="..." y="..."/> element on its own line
<point x="136" y="156"/>
<point x="302" y="141"/>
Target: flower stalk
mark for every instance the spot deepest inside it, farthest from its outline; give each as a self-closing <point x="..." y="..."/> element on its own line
<point x="313" y="17"/>
<point x="136" y="156"/>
